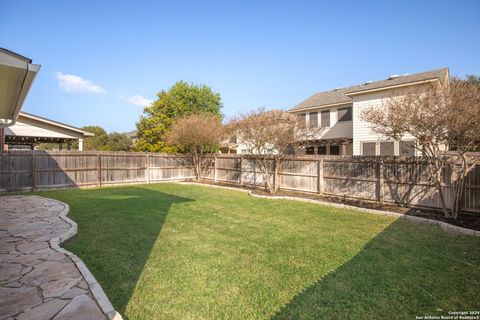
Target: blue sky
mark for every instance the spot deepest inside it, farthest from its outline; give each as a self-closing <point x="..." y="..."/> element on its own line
<point x="101" y="58"/>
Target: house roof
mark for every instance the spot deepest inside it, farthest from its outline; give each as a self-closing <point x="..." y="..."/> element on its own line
<point x="343" y="95"/>
<point x="54" y="123"/>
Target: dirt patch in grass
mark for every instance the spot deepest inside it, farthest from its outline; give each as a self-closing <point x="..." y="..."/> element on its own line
<point x="469" y="221"/>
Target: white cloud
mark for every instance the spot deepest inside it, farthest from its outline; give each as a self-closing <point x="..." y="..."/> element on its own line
<point x="72" y="83"/>
<point x="137" y="100"/>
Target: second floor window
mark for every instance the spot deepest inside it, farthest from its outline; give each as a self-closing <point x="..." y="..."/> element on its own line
<point x="302" y="118"/>
<point x="345" y="114"/>
<point x="313" y="119"/>
<point x="325" y="118"/>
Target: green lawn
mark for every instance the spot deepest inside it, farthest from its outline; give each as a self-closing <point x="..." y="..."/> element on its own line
<point x="172" y="251"/>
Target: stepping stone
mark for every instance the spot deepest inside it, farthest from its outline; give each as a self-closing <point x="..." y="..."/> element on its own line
<point x="59" y="287"/>
<point x="45" y="311"/>
<point x="81" y="308"/>
<point x="15" y="300"/>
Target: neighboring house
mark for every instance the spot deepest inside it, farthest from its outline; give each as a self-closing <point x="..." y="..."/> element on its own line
<point x="338" y="115"/>
<point x="30" y="130"/>
<point x="234" y="145"/>
<point x="132" y="135"/>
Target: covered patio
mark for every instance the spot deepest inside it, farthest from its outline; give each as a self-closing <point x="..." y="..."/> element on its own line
<point x="31" y="130"/>
<point x="336" y="146"/>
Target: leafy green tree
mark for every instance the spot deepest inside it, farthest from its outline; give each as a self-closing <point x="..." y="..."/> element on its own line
<point x="97" y="142"/>
<point x="118" y="142"/>
<point x="182" y="99"/>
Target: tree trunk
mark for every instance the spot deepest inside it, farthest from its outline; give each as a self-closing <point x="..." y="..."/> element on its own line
<point x="275" y="176"/>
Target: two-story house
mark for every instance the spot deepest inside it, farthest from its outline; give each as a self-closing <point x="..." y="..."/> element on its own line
<point x="337" y="116"/>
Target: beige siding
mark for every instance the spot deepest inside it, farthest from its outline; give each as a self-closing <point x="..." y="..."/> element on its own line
<point x="362" y="131"/>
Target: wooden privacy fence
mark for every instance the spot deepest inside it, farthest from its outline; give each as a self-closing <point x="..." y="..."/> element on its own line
<point x="37" y="170"/>
<point x="402" y="181"/>
<point x="394" y="180"/>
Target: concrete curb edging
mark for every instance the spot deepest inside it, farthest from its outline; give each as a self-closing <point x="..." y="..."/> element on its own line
<point x="444" y="225"/>
<point x="97" y="291"/>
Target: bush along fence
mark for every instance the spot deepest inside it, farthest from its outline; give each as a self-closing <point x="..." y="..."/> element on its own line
<point x="393" y="180"/>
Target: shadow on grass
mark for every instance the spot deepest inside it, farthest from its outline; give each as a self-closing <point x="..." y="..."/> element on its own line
<point x="124" y="223"/>
<point x="395" y="277"/>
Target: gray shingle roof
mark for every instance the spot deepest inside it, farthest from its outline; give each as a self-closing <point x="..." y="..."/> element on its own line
<point x="341" y="95"/>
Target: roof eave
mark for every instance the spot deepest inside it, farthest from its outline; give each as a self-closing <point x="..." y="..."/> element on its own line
<point x="408" y="84"/>
<point x="321" y="106"/>
<point x="55" y="123"/>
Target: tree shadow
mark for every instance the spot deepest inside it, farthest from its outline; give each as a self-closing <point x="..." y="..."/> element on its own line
<point x="395" y="277"/>
<point x="125" y="223"/>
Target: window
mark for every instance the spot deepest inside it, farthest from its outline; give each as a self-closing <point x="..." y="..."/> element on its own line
<point x="310" y="150"/>
<point x="325" y="118"/>
<point x="302" y="118"/>
<point x="335" y="150"/>
<point x="407" y="148"/>
<point x="322" y="150"/>
<point x="345" y="114"/>
<point x="368" y="148"/>
<point x="387" y="148"/>
<point x="313" y="119"/>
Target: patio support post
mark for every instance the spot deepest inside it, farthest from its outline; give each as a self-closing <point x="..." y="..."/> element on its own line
<point x="2" y="139"/>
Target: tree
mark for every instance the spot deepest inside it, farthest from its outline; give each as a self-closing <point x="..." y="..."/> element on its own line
<point x="272" y="132"/>
<point x="117" y="142"/>
<point x="473" y="79"/>
<point x="199" y="135"/>
<point x="182" y="99"/>
<point x="97" y="142"/>
<point x="445" y="123"/>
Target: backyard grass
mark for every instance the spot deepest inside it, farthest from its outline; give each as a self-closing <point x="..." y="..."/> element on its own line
<point x="171" y="251"/>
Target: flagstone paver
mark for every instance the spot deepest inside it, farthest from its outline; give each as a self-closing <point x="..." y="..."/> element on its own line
<point x="39" y="280"/>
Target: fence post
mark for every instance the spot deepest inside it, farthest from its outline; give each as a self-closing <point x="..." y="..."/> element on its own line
<point x="99" y="169"/>
<point x="147" y="168"/>
<point x="320" y="185"/>
<point x="215" y="168"/>
<point x="33" y="171"/>
<point x="240" y="170"/>
<point x="275" y="178"/>
<point x="379" y="181"/>
<point x="254" y="172"/>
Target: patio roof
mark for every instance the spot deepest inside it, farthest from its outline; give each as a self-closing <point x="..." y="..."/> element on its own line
<point x="16" y="76"/>
<point x="30" y="129"/>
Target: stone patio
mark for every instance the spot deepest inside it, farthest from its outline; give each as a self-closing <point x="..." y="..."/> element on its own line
<point x="38" y="279"/>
